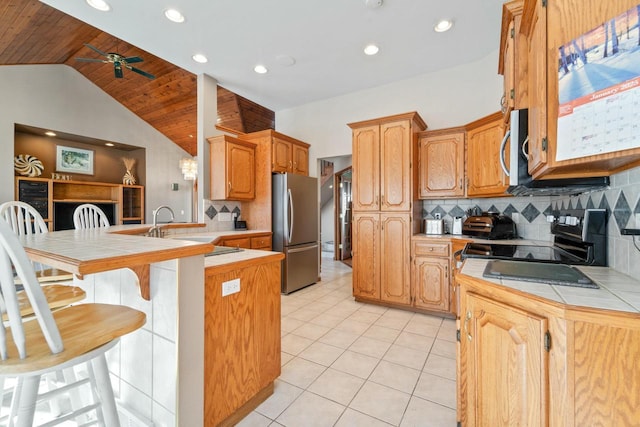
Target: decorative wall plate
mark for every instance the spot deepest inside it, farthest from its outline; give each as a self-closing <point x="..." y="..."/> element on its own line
<point x="28" y="165"/>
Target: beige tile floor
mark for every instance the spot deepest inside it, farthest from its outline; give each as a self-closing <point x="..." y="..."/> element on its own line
<point x="350" y="364"/>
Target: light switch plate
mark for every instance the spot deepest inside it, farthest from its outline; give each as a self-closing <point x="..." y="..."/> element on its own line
<point x="230" y="287"/>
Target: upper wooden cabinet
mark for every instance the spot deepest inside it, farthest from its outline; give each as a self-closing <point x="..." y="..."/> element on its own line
<point x="383" y="163"/>
<point x="287" y="154"/>
<point x="232" y="168"/>
<point x="547" y="26"/>
<point x="485" y="177"/>
<point x="441" y="163"/>
<point x="513" y="59"/>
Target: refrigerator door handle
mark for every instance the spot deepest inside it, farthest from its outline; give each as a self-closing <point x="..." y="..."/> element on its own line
<point x="291" y="216"/>
<point x="306" y="248"/>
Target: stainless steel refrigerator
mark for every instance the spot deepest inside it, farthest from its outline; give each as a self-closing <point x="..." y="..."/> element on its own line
<point x="295" y="228"/>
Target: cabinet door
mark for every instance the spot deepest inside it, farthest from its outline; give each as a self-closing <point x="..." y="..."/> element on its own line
<point x="261" y="242"/>
<point x="240" y="172"/>
<point x="537" y="59"/>
<point x="366" y="253"/>
<point x="300" y="159"/>
<point x="441" y="163"/>
<point x="395" y="237"/>
<point x="506" y="364"/>
<point x="508" y="67"/>
<point x="366" y="169"/>
<point x="485" y="175"/>
<point x="281" y="156"/>
<point x="240" y="242"/>
<point x="395" y="166"/>
<point x="431" y="280"/>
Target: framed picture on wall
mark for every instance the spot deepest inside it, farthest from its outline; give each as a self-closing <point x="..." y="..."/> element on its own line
<point x="74" y="160"/>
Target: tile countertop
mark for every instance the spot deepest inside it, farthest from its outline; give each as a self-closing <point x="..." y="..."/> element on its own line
<point x="617" y="291"/>
<point x="517" y="241"/>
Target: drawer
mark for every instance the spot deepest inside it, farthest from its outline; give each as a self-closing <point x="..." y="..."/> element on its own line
<point x="261" y="242"/>
<point x="242" y="242"/>
<point x="425" y="248"/>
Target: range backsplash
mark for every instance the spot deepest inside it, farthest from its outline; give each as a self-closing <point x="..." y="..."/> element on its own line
<point x="621" y="199"/>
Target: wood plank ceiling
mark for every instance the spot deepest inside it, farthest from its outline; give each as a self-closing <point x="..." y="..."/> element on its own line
<point x="32" y="32"/>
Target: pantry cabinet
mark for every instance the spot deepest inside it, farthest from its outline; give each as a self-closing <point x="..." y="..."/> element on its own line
<point x="485" y="177"/>
<point x="547" y="26"/>
<point x="232" y="168"/>
<point x="383" y="195"/>
<point x="441" y="163"/>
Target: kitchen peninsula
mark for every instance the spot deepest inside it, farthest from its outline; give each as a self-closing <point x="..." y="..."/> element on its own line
<point x="181" y="365"/>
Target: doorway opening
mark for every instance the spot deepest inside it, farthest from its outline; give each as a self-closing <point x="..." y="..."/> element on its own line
<point x="334" y="200"/>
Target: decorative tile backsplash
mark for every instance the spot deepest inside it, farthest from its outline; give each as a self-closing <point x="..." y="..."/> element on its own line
<point x="211" y="211"/>
<point x="621" y="200"/>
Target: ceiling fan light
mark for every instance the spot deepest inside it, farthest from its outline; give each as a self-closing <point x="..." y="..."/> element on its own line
<point x="443" y="25"/>
<point x="174" y="15"/>
<point x="99" y="4"/>
<point x="200" y="58"/>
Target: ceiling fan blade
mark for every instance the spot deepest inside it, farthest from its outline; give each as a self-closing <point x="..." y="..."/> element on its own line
<point x="95" y="49"/>
<point x="144" y="73"/>
<point x="133" y="59"/>
<point x="117" y="69"/>
<point x="90" y="60"/>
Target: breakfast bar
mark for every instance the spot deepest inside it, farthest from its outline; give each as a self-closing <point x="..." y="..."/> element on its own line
<point x="158" y="372"/>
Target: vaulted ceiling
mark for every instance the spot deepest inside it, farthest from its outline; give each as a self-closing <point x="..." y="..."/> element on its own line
<point x="32" y="32"/>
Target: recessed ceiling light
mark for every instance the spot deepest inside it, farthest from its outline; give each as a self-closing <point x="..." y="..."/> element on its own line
<point x="371" y="49"/>
<point x="285" y="60"/>
<point x="200" y="58"/>
<point x="49" y="133"/>
<point x="260" y="69"/>
<point x="174" y="15"/>
<point x="442" y="26"/>
<point x="109" y="144"/>
<point x="373" y="4"/>
<point x="99" y="4"/>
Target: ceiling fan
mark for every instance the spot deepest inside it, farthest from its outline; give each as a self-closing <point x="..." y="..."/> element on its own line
<point x="119" y="62"/>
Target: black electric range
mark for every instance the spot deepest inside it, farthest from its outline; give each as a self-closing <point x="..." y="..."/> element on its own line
<point x="579" y="239"/>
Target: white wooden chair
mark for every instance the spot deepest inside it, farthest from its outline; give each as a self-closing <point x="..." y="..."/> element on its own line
<point x="79" y="334"/>
<point x="89" y="216"/>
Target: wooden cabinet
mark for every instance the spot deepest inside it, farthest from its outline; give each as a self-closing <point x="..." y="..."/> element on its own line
<point x="247" y="241"/>
<point x="513" y="59"/>
<point x="287" y="154"/>
<point x="430" y="275"/>
<point x="547" y="27"/>
<point x="505" y="364"/>
<point x="457" y="245"/>
<point x="232" y="168"/>
<point x="383" y="195"/>
<point x="383" y="159"/>
<point x="132" y="206"/>
<point x="526" y="360"/>
<point x="485" y="177"/>
<point x="441" y="163"/>
<point x="380" y="257"/>
<point x="241" y="339"/>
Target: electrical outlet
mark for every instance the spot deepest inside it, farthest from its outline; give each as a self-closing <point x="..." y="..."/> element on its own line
<point x="230" y="287"/>
<point x="224" y="216"/>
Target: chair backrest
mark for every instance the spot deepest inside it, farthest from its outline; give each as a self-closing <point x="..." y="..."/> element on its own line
<point x="89" y="216"/>
<point x="23" y="218"/>
<point x="13" y="257"/>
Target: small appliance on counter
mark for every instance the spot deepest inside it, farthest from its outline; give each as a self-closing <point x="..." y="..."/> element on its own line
<point x="434" y="226"/>
<point x="490" y="226"/>
<point x="239" y="224"/>
<point x="457" y="225"/>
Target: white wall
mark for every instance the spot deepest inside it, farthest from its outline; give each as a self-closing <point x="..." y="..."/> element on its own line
<point x="446" y="98"/>
<point x="57" y="97"/>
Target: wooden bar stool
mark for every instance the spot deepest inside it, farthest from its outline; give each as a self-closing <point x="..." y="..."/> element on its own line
<point x="54" y="341"/>
<point x="89" y="216"/>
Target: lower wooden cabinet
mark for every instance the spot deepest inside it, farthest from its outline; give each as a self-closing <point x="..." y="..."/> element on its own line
<point x="247" y="242"/>
<point x="430" y="275"/>
<point x="506" y="364"/>
<point x="381" y="257"/>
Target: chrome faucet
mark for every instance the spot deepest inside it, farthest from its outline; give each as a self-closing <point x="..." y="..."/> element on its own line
<point x="155" y="230"/>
